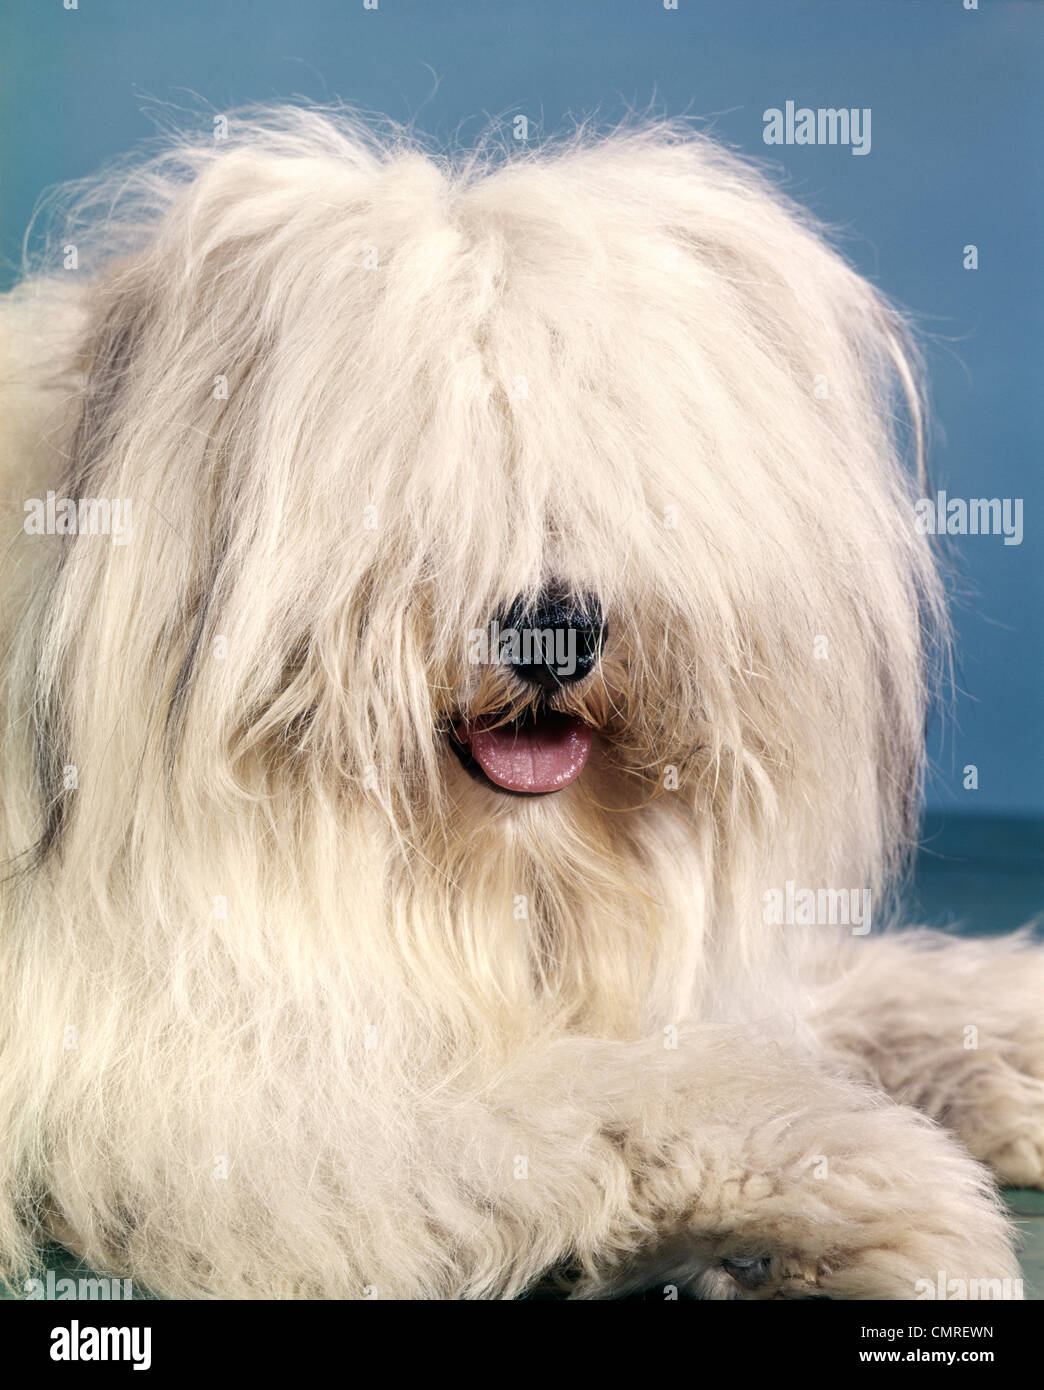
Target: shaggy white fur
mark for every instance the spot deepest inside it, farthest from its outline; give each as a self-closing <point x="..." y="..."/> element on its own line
<point x="294" y="1003"/>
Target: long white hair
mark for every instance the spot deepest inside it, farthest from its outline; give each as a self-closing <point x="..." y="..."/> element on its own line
<point x="362" y="396"/>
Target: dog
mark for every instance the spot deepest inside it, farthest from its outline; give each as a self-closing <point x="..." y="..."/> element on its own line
<point x="466" y="654"/>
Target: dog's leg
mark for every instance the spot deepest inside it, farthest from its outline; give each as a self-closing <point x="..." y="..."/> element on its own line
<point x="955" y="1028"/>
<point x="735" y="1169"/>
<point x="739" y="1171"/>
<point x="781" y="1181"/>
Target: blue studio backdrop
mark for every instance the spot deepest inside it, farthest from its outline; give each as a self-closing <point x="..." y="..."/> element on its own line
<point x="952" y="163"/>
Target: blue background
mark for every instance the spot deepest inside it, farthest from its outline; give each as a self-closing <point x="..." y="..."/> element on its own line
<point x="956" y="157"/>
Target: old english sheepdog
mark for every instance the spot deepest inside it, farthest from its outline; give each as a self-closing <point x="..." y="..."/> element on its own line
<point x="466" y="647"/>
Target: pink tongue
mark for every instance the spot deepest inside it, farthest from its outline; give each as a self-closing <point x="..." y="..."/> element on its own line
<point x="540" y="757"/>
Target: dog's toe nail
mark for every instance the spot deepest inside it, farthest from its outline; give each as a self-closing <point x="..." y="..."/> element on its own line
<point x="749" y="1274"/>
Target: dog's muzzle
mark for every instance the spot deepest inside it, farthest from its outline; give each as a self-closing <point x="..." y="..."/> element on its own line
<point x="549" y="646"/>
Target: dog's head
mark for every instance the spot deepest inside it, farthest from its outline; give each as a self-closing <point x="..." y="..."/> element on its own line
<point x="541" y="511"/>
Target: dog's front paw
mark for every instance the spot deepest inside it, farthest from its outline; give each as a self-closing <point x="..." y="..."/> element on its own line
<point x="923" y="1267"/>
<point x="897" y="1216"/>
<point x="765" y="1276"/>
<point x="790" y="1276"/>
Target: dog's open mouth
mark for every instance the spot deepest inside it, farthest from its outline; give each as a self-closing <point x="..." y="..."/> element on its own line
<point x="537" y="753"/>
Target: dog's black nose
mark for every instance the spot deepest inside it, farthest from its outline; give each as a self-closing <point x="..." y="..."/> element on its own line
<point x="555" y="641"/>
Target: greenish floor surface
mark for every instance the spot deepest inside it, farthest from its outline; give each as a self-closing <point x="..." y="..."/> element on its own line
<point x="978" y="875"/>
<point x="1028" y="1209"/>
